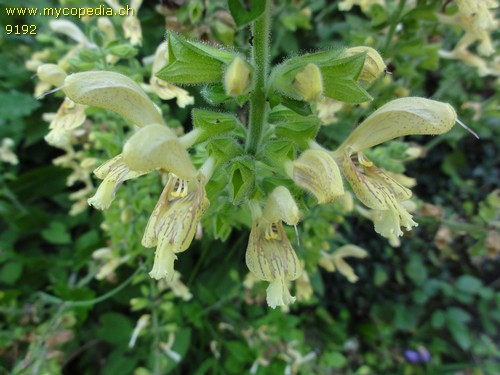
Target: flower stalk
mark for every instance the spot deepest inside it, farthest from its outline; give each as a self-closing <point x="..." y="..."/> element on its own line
<point x="261" y="31"/>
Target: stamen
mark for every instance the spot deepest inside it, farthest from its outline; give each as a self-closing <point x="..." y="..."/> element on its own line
<point x="181" y="189"/>
<point x="468" y="129"/>
<point x="271" y="232"/>
<point x="297" y="235"/>
<point x="48" y="92"/>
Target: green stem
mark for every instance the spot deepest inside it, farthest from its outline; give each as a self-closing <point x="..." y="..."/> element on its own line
<point x="261" y="30"/>
<point x="157" y="370"/>
<point x="394" y="24"/>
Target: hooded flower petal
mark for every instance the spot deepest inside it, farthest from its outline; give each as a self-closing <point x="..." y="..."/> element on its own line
<point x="401" y="117"/>
<point x="317" y="172"/>
<point x="156" y="146"/>
<point x="113" y="91"/>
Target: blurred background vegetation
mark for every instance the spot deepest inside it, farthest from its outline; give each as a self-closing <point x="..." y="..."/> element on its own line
<point x="75" y="297"/>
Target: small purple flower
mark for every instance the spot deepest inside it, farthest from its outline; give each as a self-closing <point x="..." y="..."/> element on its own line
<point x="421" y="355"/>
<point x="412" y="356"/>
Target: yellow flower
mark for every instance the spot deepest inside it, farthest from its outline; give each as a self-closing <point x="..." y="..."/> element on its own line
<point x="154" y="146"/>
<point x="269" y="255"/>
<point x="373" y="186"/>
<point x="69" y="116"/>
<point x="173" y="223"/>
<point x="113" y="172"/>
<point x="317" y="172"/>
<point x="335" y="261"/>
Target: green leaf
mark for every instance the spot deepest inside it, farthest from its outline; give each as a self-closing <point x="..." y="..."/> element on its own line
<point x="415" y="269"/>
<point x="57" y="233"/>
<point x="340" y="80"/>
<point x="458" y="315"/>
<point x="460" y="333"/>
<point x="333" y="359"/>
<point x="215" y="94"/>
<point x="438" y="319"/>
<point x="213" y="123"/>
<point x="119" y="363"/>
<point x="191" y="62"/>
<point x="115" y="328"/>
<point x="238" y="350"/>
<point x="241" y="178"/>
<point x="469" y="284"/>
<point x="224" y="148"/>
<point x="243" y="15"/>
<point x="123" y="50"/>
<point x="14" y="105"/>
<point x="290" y="125"/>
<point x="275" y="152"/>
<point x="11" y="272"/>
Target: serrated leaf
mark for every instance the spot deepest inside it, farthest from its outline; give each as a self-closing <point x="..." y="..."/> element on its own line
<point x="243" y="15"/>
<point x="213" y="124"/>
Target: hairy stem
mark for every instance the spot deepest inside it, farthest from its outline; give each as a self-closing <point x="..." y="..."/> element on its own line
<point x="261" y="30"/>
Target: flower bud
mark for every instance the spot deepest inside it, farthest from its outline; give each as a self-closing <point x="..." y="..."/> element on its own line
<point x="51" y="73"/>
<point x="374" y="64"/>
<point x="237" y="77"/>
<point x="308" y="83"/>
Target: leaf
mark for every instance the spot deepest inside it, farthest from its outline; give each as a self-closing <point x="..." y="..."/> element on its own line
<point x="14" y="104"/>
<point x="460" y="333"/>
<point x="469" y="284"/>
<point x="290" y="125"/>
<point x="458" y="315"/>
<point x="415" y="269"/>
<point x="57" y="233"/>
<point x="11" y="272"/>
<point x="438" y="319"/>
<point x="241" y="178"/>
<point x="115" y="328"/>
<point x="243" y="15"/>
<point x="213" y="123"/>
<point x="333" y="359"/>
